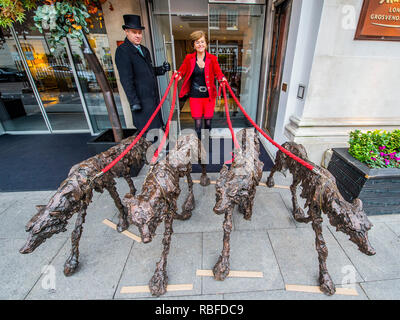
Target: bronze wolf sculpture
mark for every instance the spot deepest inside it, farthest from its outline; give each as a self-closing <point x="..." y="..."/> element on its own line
<point x="237" y="186"/>
<point x="75" y="194"/>
<point x="322" y="195"/>
<point x="157" y="201"/>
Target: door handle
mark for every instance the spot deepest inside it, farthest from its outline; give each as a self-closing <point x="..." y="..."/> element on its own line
<point x="165" y="54"/>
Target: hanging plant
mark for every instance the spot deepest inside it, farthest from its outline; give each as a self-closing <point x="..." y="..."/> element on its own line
<point x="62" y="19"/>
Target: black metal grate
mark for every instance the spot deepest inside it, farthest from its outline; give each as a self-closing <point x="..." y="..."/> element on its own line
<point x="349" y="181"/>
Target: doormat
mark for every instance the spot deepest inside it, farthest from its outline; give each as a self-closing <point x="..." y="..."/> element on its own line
<point x="39" y="162"/>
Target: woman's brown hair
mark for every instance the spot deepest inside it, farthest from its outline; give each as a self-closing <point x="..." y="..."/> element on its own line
<point x="196" y="35"/>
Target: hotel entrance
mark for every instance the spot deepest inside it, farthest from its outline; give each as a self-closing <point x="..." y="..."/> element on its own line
<point x="236" y="33"/>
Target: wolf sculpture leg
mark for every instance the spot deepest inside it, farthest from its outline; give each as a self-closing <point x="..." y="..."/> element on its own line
<point x="72" y="262"/>
<point x="129" y="181"/>
<point x="204" y="179"/>
<point x="189" y="204"/>
<point x="246" y="207"/>
<point x="123" y="223"/>
<point x="326" y="284"/>
<point x="158" y="283"/>
<point x="277" y="167"/>
<point x="298" y="213"/>
<point x="222" y="267"/>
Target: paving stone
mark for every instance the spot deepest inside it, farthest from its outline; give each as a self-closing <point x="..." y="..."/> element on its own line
<point x="269" y="212"/>
<point x="385" y="264"/>
<point x="104" y="252"/>
<point x="250" y="251"/>
<point x="385" y="218"/>
<point x="287" y="200"/>
<point x="103" y="208"/>
<point x="203" y="217"/>
<point x="23" y="201"/>
<point x="5" y="204"/>
<point x="15" y="218"/>
<point x="101" y="262"/>
<point x="183" y="260"/>
<point x="19" y="272"/>
<point x="279" y="178"/>
<point x="298" y="258"/>
<point x="382" y="290"/>
<point x="27" y="196"/>
<point x="123" y="187"/>
<point x="292" y="295"/>
<point x="395" y="227"/>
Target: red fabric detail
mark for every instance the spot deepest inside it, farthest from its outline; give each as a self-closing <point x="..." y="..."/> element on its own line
<point x="212" y="70"/>
<point x="202" y="107"/>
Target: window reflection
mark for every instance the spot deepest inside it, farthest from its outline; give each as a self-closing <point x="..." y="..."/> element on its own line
<point x="19" y="110"/>
<point x="238" y="45"/>
<point x="91" y="90"/>
<point x="54" y="79"/>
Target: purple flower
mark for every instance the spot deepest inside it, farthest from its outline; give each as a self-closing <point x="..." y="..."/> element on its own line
<point x="398" y="159"/>
<point x="387" y="162"/>
<point x="374" y="159"/>
<point x="383" y="154"/>
<point x="382" y="148"/>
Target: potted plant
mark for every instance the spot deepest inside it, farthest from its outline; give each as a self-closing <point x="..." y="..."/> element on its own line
<point x="370" y="170"/>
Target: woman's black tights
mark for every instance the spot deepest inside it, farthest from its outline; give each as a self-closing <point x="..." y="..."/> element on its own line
<point x="198" y="126"/>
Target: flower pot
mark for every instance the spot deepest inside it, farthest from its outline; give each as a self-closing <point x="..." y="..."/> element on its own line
<point x="379" y="189"/>
<point x="105" y="140"/>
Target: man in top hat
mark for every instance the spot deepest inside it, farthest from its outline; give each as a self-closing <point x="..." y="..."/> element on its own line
<point x="137" y="74"/>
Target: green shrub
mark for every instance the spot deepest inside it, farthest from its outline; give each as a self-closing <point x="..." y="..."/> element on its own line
<point x="377" y="149"/>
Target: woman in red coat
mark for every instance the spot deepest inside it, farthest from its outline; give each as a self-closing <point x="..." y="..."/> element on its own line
<point x="199" y="70"/>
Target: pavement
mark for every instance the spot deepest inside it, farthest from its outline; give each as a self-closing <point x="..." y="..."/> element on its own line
<point x="271" y="243"/>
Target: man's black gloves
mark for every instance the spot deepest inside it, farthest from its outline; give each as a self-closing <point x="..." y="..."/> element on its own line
<point x="136" y="107"/>
<point x="166" y="66"/>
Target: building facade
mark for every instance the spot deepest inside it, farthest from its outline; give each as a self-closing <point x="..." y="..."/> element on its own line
<point x="295" y="65"/>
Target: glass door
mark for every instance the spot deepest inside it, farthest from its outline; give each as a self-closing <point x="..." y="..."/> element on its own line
<point x="163" y="41"/>
<point x="236" y="35"/>
<point x="54" y="79"/>
<point x="236" y="38"/>
<point x="91" y="94"/>
<point x="279" y="42"/>
<point x="19" y="108"/>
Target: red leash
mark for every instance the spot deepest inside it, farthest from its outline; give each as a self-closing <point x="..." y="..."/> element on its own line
<point x="112" y="164"/>
<point x="228" y="118"/>
<point x="171" y="112"/>
<point x="288" y="153"/>
<point x="223" y="87"/>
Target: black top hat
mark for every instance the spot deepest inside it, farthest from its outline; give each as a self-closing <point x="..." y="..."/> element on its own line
<point x="132" y="21"/>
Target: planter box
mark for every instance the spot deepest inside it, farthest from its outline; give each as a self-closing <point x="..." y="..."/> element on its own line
<point x="105" y="141"/>
<point x="379" y="189"/>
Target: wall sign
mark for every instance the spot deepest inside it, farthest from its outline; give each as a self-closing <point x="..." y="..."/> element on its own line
<point x="379" y="20"/>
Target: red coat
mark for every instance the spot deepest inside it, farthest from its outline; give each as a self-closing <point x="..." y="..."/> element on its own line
<point x="212" y="71"/>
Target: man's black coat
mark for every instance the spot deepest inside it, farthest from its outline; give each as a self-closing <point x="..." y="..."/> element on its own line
<point x="138" y="78"/>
